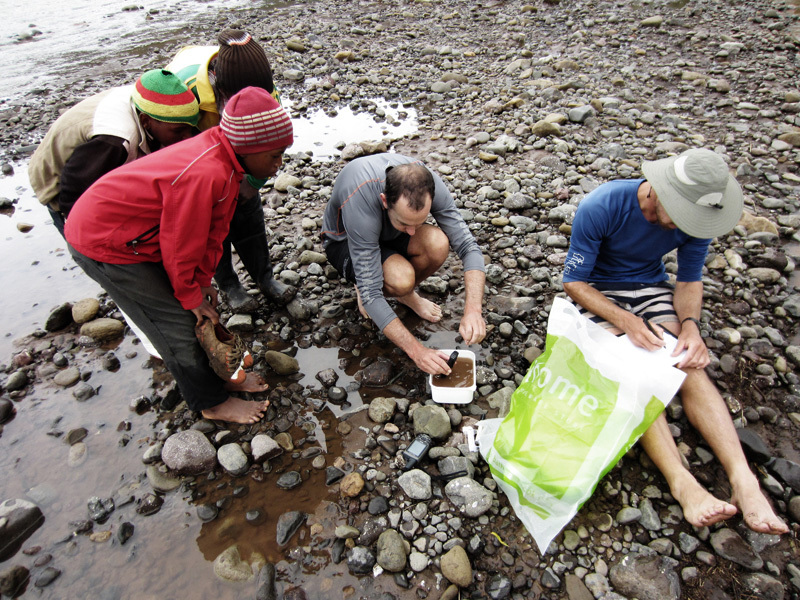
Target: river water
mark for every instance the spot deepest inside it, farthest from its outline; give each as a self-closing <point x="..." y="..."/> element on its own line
<point x="45" y="45"/>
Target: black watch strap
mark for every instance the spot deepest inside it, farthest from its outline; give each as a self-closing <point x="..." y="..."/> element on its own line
<point x="693" y="320"/>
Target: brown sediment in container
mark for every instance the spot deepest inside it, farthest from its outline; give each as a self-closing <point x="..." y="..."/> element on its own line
<point x="460" y="376"/>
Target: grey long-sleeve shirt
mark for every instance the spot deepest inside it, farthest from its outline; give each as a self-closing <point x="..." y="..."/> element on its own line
<point x="355" y="213"/>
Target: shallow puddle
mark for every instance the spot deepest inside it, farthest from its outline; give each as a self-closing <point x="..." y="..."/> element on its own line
<point x="171" y="552"/>
<point x="36" y="273"/>
<point x="323" y="133"/>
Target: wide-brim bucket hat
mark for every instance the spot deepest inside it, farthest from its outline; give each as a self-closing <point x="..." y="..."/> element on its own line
<point x="697" y="191"/>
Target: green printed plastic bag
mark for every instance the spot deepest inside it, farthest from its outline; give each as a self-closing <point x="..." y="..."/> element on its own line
<point x="584" y="402"/>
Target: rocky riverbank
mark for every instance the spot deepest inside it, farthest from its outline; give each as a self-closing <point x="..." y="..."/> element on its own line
<point x="522" y="109"/>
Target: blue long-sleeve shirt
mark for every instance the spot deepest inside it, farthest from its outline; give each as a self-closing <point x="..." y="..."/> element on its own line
<point x="355" y="213"/>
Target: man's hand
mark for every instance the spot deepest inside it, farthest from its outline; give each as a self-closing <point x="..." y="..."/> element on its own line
<point x="210" y="293"/>
<point x="472" y="328"/>
<point x="650" y="338"/>
<point x="431" y="361"/>
<point x="427" y="359"/>
<point x="696" y="351"/>
<point x="208" y="307"/>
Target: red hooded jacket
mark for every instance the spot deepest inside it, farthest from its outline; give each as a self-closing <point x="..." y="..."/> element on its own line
<point x="173" y="206"/>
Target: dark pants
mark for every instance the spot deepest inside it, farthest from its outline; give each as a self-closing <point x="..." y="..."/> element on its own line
<point x="248" y="235"/>
<point x="58" y="220"/>
<point x="338" y="253"/>
<point x="143" y="291"/>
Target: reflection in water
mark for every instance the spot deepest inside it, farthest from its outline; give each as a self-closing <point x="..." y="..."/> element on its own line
<point x="322" y="134"/>
<point x="37" y="273"/>
<point x="263" y="495"/>
<point x="162" y="558"/>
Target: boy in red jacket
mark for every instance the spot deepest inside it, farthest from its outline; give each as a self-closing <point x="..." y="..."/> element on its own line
<point x="150" y="233"/>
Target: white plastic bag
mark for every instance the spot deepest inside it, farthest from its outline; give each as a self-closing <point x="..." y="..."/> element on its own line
<point x="583" y="403"/>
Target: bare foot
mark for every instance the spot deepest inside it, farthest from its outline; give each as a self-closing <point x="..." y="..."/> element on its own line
<point x="700" y="507"/>
<point x="361" y="308"/>
<point x="237" y="410"/>
<point x="757" y="511"/>
<point x="424" y="308"/>
<point x="251" y="383"/>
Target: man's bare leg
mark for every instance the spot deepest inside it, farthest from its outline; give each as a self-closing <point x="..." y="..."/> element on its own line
<point x="707" y="411"/>
<point x="427" y="251"/>
<point x="700" y="508"/>
<point x="236" y="410"/>
<point x="252" y="383"/>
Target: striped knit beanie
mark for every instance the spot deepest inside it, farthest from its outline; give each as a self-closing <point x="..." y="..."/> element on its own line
<point x="241" y="62"/>
<point x="162" y="95"/>
<point x="253" y="121"/>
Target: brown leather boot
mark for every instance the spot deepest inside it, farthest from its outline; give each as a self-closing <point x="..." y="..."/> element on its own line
<point x="226" y="357"/>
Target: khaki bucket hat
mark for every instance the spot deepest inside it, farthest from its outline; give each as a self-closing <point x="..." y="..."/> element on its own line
<point x="698" y="192"/>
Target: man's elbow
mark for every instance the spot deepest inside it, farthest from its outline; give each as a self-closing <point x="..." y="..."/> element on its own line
<point x="570" y="287"/>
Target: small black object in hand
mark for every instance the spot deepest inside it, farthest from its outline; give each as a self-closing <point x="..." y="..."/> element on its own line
<point x="450" y="362"/>
<point x="453" y="358"/>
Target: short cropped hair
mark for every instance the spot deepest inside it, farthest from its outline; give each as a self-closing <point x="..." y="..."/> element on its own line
<point x="411" y="180"/>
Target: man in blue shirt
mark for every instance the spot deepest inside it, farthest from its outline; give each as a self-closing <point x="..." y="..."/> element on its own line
<point x="615" y="272"/>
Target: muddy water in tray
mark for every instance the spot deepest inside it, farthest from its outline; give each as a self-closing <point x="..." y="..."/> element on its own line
<point x="460" y="376"/>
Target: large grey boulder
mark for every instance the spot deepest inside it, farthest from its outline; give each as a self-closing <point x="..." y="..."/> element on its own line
<point x="189" y="453"/>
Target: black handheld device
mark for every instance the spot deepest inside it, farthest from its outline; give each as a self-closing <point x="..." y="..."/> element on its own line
<point x="451" y="360"/>
<point x="416" y="450"/>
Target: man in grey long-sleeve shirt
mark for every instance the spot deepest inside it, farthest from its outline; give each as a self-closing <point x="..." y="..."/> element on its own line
<point x="375" y="235"/>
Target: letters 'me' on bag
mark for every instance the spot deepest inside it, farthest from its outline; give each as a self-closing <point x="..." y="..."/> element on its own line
<point x="583" y="403"/>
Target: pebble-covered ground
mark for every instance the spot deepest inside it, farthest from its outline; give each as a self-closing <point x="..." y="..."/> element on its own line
<point x="522" y="109"/>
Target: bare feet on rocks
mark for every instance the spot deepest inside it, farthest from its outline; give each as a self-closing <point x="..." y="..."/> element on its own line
<point x="253" y="383"/>
<point x="424" y="308"/>
<point x="700" y="508"/>
<point x="756" y="510"/>
<point x="236" y="410"/>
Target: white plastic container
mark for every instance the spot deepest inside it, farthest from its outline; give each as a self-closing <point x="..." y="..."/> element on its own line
<point x="454" y="395"/>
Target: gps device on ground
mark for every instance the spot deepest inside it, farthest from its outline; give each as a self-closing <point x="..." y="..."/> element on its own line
<point x="416" y="451"/>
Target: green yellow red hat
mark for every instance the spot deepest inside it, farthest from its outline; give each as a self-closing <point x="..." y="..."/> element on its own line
<point x="162" y="95"/>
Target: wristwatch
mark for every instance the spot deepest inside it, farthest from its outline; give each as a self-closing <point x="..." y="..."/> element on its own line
<point x="693" y="320"/>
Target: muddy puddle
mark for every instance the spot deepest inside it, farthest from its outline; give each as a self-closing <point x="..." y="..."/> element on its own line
<point x="171" y="552"/>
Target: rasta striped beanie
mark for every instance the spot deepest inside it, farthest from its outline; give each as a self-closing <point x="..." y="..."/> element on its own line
<point x="253" y="121"/>
<point x="162" y="95"/>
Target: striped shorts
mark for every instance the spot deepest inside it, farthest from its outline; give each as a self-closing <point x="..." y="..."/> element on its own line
<point x="653" y="303"/>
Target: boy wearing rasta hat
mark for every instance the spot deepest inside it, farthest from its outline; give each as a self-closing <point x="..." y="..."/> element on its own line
<point x="214" y="74"/>
<point x="614" y="271"/>
<point x="150" y="233"/>
<point x="108" y="130"/>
